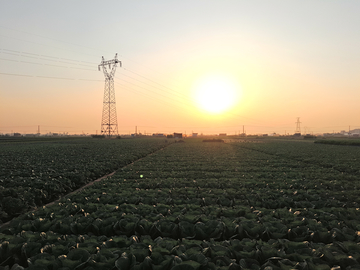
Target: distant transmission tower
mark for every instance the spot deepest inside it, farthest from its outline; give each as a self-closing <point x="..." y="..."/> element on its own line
<point x="298" y="130"/>
<point x="109" y="124"/>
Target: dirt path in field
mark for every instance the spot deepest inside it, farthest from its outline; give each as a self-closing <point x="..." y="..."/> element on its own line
<point x="83" y="187"/>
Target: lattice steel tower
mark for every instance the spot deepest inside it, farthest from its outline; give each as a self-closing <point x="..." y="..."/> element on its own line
<point x="109" y="124"/>
<point x="298" y="130"/>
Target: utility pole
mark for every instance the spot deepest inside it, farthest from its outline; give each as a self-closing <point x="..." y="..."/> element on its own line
<point x="109" y="124"/>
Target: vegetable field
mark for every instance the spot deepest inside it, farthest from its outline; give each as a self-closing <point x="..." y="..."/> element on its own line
<point x="36" y="171"/>
<point x="275" y="204"/>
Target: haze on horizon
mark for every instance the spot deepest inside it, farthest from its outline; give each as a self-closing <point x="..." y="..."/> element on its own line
<point x="266" y="62"/>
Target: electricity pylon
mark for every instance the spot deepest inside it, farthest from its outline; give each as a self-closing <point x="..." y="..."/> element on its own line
<point x="109" y="124"/>
<point x="298" y="130"/>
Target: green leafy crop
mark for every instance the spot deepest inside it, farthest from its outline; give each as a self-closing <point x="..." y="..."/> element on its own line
<point x="235" y="205"/>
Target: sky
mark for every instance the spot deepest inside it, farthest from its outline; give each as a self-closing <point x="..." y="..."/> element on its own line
<point x="273" y="61"/>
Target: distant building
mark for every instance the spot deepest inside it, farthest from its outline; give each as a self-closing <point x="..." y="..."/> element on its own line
<point x="178" y="135"/>
<point x="17" y="134"/>
<point x="222" y="134"/>
<point x="194" y="135"/>
<point x="158" y="135"/>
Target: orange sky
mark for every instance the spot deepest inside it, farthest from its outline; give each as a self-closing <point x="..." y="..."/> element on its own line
<point x="287" y="60"/>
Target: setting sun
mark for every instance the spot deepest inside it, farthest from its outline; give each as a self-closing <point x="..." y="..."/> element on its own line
<point x="215" y="94"/>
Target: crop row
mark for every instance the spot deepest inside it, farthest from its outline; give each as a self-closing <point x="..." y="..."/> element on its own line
<point x="194" y="222"/>
<point x="47" y="251"/>
<point x="33" y="173"/>
<point x="343" y="158"/>
<point x="340" y="142"/>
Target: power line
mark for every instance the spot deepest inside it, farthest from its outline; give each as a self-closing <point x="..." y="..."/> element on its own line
<point x="181" y="94"/>
<point x="177" y="101"/>
<point x="34" y="55"/>
<point x="151" y="85"/>
<point x="123" y="86"/>
<point x="149" y="96"/>
<point x="172" y="105"/>
<point x="47" y="77"/>
<point x="27" y="62"/>
<point x="59" y="48"/>
<point x="177" y="93"/>
<point x="151" y="91"/>
<point x="58" y="60"/>
<point x="12" y="29"/>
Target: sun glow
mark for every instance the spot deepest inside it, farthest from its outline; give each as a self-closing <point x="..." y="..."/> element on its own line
<point x="215" y="94"/>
